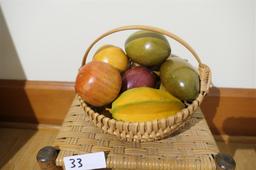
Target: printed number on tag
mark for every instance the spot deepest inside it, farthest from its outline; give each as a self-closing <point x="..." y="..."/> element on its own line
<point x="87" y="161"/>
<point x="76" y="162"/>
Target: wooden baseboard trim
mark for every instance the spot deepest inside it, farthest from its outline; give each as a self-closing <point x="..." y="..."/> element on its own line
<point x="24" y="125"/>
<point x="35" y="101"/>
<point x="231" y="111"/>
<point x="228" y="111"/>
<point x="235" y="139"/>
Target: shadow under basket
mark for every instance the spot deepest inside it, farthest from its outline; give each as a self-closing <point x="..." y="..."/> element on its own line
<point x="156" y="129"/>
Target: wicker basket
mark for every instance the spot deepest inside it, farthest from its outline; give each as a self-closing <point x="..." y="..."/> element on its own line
<point x="156" y="129"/>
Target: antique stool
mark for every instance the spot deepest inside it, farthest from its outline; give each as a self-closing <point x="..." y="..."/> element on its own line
<point x="192" y="147"/>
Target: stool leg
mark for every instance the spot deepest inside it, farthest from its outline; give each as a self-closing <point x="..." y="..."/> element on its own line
<point x="224" y="162"/>
<point x="46" y="158"/>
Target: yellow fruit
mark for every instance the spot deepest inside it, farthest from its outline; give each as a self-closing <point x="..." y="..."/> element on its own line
<point x="112" y="55"/>
<point x="145" y="104"/>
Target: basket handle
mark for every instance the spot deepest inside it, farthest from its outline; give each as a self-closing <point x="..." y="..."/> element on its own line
<point x="204" y="70"/>
<point x="147" y="28"/>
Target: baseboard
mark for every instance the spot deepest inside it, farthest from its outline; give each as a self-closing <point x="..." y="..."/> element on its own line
<point x="35" y="101"/>
<point x="229" y="111"/>
<point x="227" y="139"/>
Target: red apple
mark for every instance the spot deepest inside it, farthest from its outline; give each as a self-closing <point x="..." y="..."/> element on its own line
<point x="98" y="83"/>
<point x="138" y="76"/>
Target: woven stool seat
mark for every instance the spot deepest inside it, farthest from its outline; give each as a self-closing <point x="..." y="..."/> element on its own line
<point x="191" y="147"/>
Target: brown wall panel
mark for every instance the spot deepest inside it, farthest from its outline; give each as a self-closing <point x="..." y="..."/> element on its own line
<point x="35" y="101"/>
<point x="230" y="111"/>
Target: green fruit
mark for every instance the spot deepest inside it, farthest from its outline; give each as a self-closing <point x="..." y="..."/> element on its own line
<point x="180" y="79"/>
<point x="147" y="48"/>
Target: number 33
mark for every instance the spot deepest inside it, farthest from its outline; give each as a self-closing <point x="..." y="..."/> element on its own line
<point x="74" y="163"/>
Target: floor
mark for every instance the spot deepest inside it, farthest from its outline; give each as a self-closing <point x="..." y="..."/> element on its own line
<point x="243" y="151"/>
<point x="19" y="146"/>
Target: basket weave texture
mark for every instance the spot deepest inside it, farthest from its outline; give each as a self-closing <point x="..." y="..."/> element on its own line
<point x="191" y="147"/>
<point x="156" y="129"/>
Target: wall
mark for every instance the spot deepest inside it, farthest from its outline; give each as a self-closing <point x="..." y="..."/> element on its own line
<point x="47" y="38"/>
<point x="254" y="42"/>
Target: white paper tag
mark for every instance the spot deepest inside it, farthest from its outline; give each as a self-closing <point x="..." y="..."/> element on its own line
<point x="86" y="161"/>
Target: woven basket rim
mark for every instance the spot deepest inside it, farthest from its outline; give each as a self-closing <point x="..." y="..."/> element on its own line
<point x="135" y="123"/>
<point x="154" y="129"/>
<point x="172" y="122"/>
<point x="198" y="100"/>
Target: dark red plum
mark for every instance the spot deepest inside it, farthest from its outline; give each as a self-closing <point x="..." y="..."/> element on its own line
<point x="138" y="76"/>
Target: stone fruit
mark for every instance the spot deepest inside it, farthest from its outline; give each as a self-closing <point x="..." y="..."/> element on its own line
<point x="138" y="76"/>
<point x="147" y="48"/>
<point x="180" y="79"/>
<point x="112" y="55"/>
<point x="98" y="83"/>
<point x="145" y="104"/>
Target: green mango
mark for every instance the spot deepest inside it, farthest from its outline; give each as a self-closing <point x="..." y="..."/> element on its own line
<point x="180" y="79"/>
<point x="147" y="48"/>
